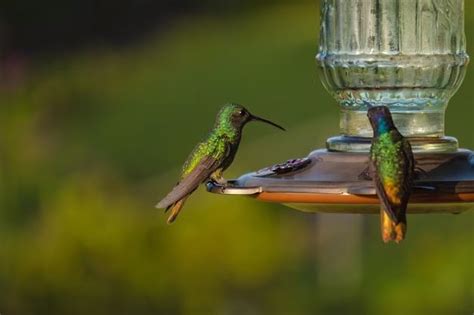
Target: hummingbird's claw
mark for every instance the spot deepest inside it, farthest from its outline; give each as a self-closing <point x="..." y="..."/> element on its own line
<point x="219" y="181"/>
<point x="217" y="178"/>
<point x="365" y="175"/>
<point x="419" y="173"/>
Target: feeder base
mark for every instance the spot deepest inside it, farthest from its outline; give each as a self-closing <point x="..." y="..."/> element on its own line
<point x="330" y="182"/>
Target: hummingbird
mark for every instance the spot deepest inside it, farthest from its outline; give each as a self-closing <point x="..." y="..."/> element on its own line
<point x="211" y="157"/>
<point x="393" y="165"/>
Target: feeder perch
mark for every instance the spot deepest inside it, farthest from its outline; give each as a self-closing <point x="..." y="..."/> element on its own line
<point x="407" y="55"/>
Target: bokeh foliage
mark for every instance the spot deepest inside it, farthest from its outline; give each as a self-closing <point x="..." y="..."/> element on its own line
<point x="90" y="141"/>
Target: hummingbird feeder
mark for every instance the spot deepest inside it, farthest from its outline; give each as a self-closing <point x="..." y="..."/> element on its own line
<point x="407" y="55"/>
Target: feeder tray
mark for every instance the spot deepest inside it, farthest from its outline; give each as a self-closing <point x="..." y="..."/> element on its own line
<point x="332" y="182"/>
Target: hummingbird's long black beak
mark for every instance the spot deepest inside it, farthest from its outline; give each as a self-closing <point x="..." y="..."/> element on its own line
<point x="252" y="117"/>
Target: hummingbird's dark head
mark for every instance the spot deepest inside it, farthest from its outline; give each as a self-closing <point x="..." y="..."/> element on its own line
<point x="236" y="116"/>
<point x="381" y="119"/>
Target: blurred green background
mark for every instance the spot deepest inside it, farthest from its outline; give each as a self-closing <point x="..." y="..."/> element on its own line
<point x="97" y="114"/>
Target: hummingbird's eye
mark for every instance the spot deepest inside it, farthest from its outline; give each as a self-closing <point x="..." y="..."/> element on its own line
<point x="241" y="112"/>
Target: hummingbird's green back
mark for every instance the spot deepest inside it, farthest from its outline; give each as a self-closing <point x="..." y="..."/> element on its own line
<point x="216" y="145"/>
<point x="387" y="152"/>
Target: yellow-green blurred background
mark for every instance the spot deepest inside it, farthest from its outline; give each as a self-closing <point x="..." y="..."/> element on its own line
<point x="102" y="101"/>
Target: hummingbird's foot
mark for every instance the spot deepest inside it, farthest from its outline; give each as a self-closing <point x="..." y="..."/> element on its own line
<point x="220" y="181"/>
<point x="217" y="178"/>
<point x="366" y="174"/>
<point x="419" y="173"/>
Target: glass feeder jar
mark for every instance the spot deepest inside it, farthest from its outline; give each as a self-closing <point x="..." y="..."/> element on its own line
<point x="409" y="55"/>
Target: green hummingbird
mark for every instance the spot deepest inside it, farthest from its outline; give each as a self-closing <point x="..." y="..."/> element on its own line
<point x="211" y="157"/>
<point x="393" y="165"/>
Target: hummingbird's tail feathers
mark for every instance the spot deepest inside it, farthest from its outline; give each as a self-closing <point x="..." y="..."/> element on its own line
<point x="392" y="231"/>
<point x="175" y="209"/>
<point x="386" y="227"/>
<point x="400" y="231"/>
<point x="391" y="210"/>
<point x="191" y="182"/>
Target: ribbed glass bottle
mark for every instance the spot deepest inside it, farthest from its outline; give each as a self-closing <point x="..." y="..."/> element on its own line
<point x="409" y="55"/>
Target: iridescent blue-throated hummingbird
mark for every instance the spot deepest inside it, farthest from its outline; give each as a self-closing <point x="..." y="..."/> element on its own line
<point x="211" y="157"/>
<point x="393" y="167"/>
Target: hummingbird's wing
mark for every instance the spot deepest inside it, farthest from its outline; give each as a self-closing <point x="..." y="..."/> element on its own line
<point x="408" y="173"/>
<point x="383" y="197"/>
<point x="188" y="184"/>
